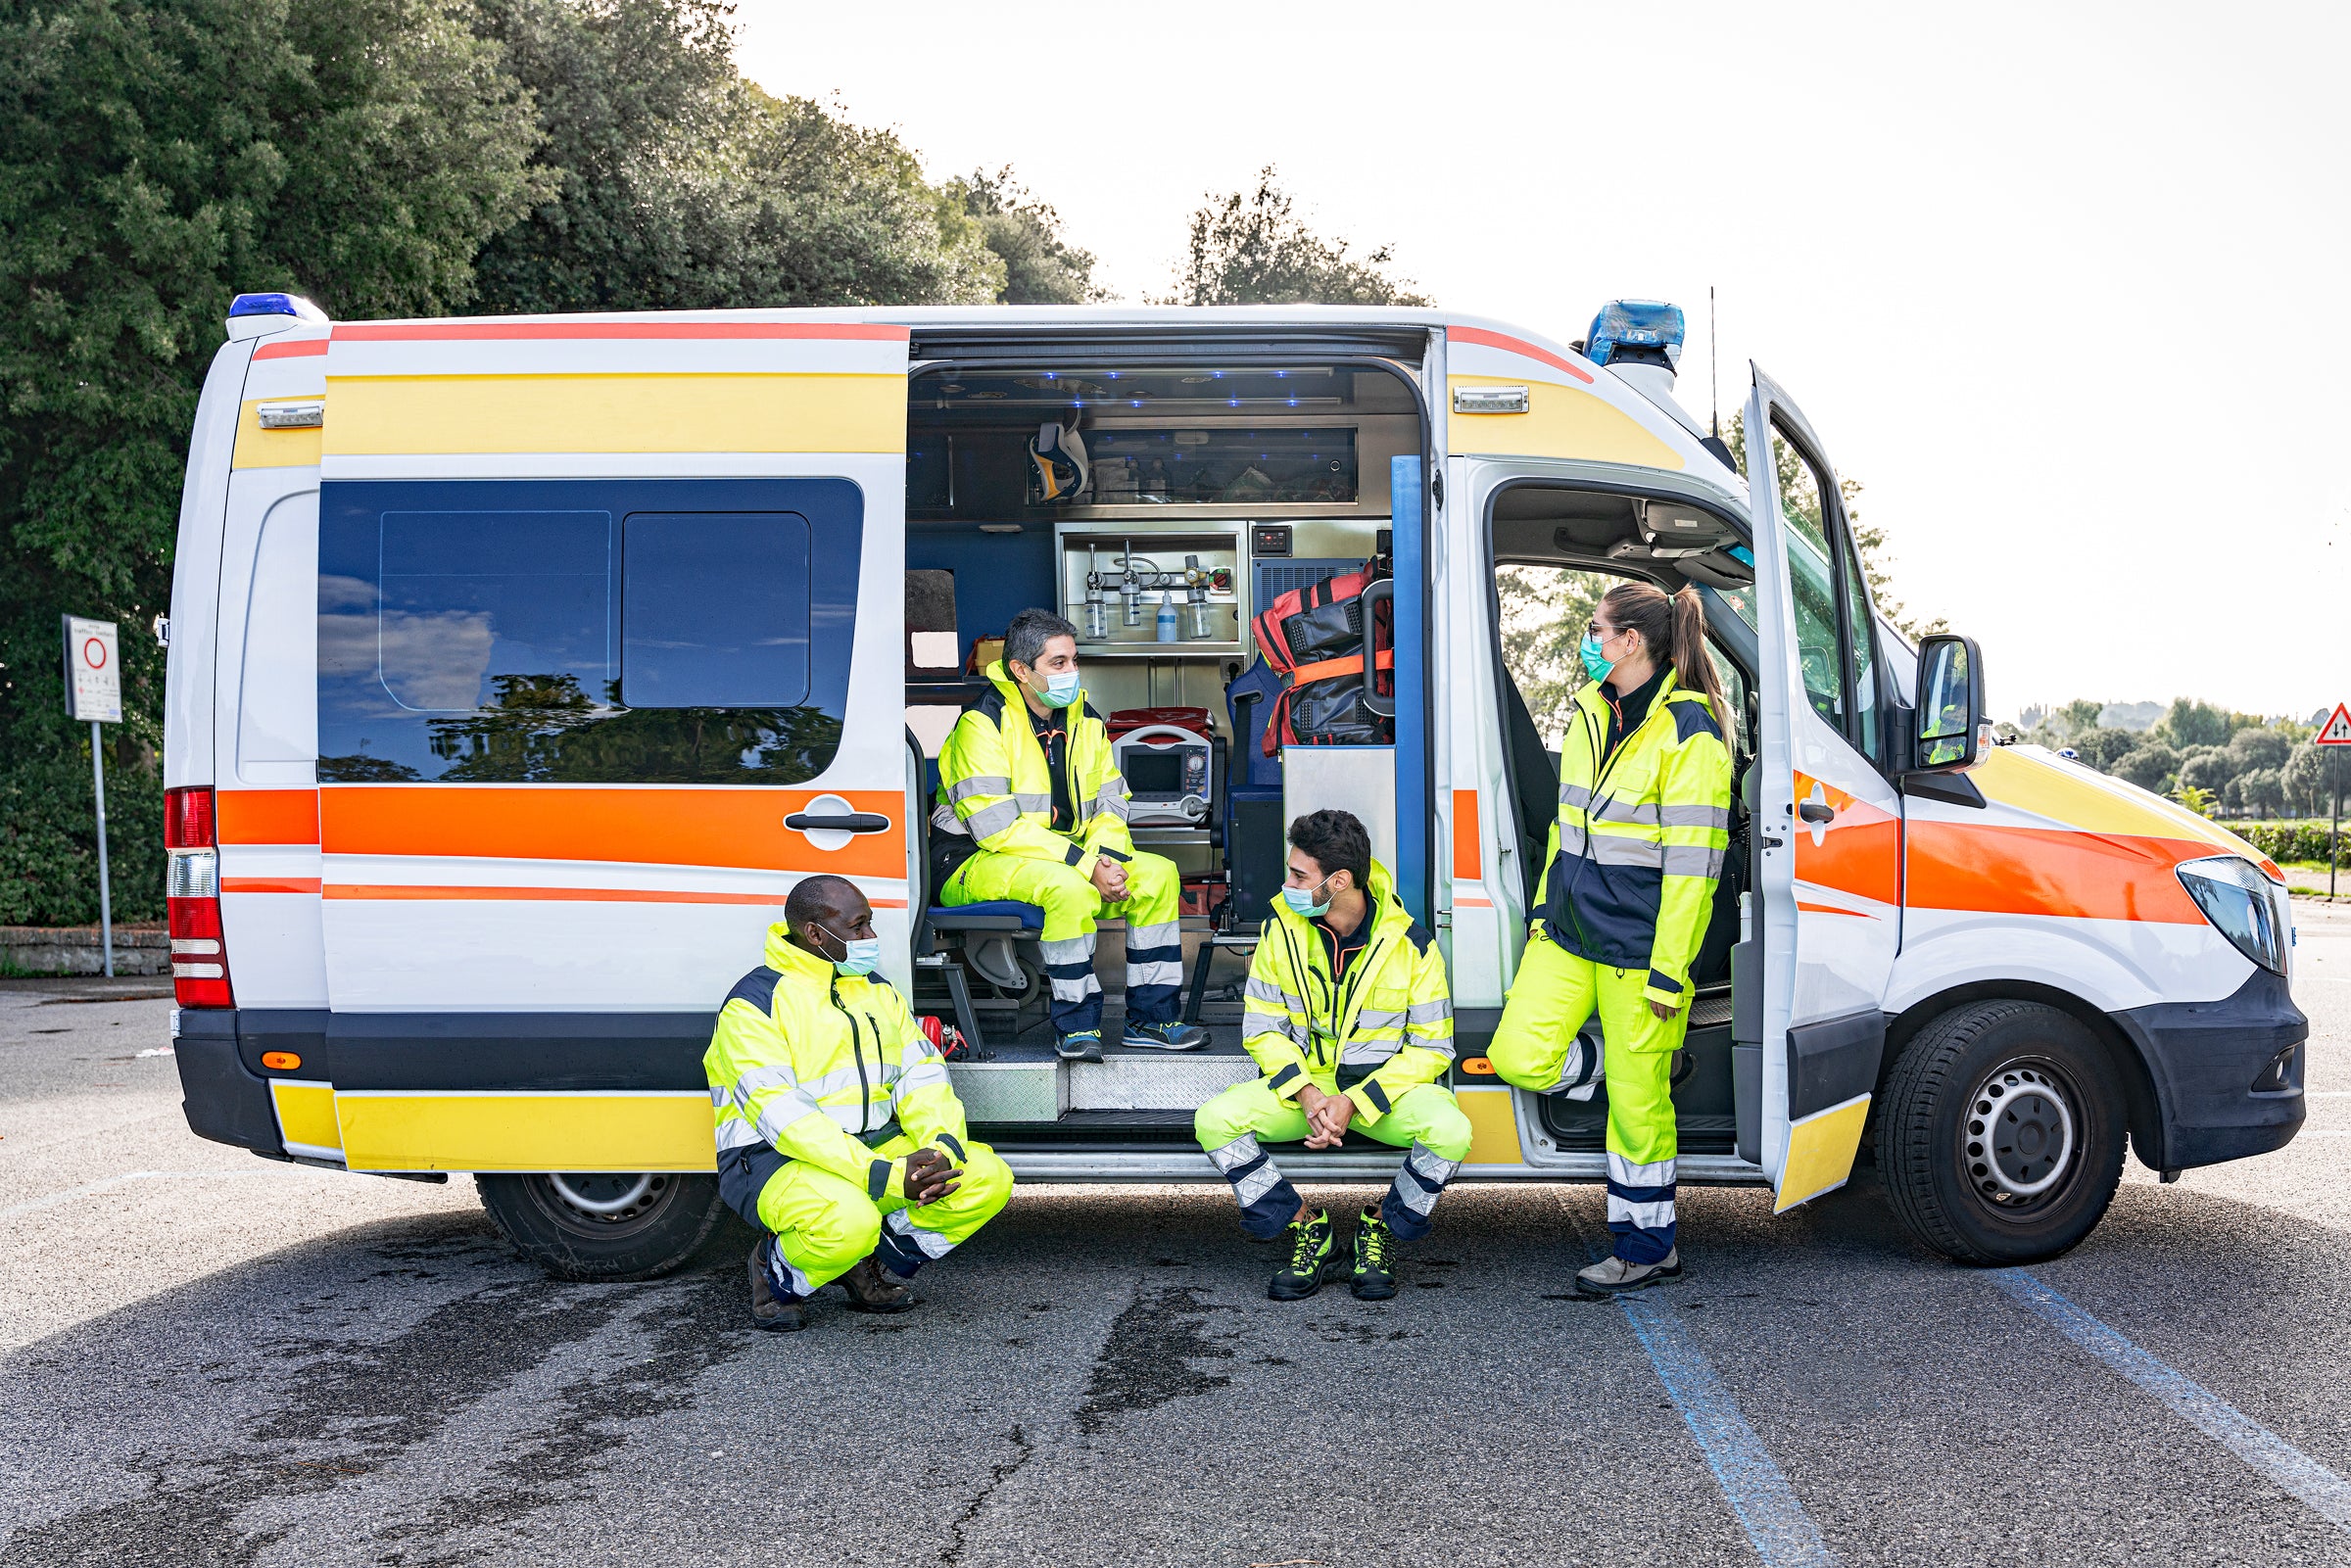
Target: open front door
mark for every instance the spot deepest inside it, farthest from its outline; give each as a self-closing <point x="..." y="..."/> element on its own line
<point x="1827" y="821"/>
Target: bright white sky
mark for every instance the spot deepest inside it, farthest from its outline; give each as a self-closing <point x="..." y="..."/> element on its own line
<point x="2060" y="284"/>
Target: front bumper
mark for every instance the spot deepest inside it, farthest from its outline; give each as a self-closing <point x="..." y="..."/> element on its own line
<point x="2205" y="1057"/>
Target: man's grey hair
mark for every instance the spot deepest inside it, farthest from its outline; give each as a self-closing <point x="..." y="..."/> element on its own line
<point x="1029" y="632"/>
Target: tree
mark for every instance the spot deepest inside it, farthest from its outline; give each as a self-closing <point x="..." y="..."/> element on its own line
<point x="2103" y="748"/>
<point x="2150" y="765"/>
<point x="673" y="183"/>
<point x="2308" y="780"/>
<point x="1252" y="247"/>
<point x="2259" y="748"/>
<point x="158" y="157"/>
<point x="2261" y="793"/>
<point x="1543" y="612"/>
<point x="2207" y="767"/>
<point x="2200" y="801"/>
<point x="1040" y="266"/>
<point x="2190" y="724"/>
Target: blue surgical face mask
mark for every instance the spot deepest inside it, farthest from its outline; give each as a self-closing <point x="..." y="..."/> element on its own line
<point x="1595" y="665"/>
<point x="1302" y="899"/>
<point x="858" y="955"/>
<point x="1061" y="690"/>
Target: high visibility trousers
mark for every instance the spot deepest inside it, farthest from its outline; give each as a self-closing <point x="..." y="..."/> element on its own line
<point x="1534" y="1047"/>
<point x="1425" y="1120"/>
<point x="1154" y="943"/>
<point x="823" y="1225"/>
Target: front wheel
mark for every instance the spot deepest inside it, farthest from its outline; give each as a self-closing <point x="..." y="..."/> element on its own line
<point x="602" y="1226"/>
<point x="2000" y="1133"/>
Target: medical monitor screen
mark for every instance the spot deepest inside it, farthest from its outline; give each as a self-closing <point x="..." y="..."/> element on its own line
<point x="1154" y="773"/>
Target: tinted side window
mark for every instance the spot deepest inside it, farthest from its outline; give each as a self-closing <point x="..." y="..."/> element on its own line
<point x="1862" y="628"/>
<point x="585" y="631"/>
<point x="714" y="610"/>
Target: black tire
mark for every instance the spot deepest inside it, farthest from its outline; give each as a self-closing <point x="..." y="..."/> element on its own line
<point x="561" y="1222"/>
<point x="2000" y="1133"/>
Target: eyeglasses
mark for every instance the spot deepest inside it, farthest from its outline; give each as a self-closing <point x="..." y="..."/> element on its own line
<point x="1600" y="633"/>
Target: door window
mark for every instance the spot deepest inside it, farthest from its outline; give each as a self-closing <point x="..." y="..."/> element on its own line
<point x="1834" y="635"/>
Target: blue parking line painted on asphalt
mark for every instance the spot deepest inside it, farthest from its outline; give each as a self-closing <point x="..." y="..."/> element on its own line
<point x="1783" y="1534"/>
<point x="2325" y="1493"/>
<point x="1752" y="1482"/>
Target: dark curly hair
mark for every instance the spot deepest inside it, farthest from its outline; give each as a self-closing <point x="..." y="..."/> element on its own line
<point x="1337" y="841"/>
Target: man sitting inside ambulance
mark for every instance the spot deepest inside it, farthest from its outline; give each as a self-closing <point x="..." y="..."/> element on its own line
<point x="1350" y="1017"/>
<point x="840" y="1136"/>
<point x="1027" y="777"/>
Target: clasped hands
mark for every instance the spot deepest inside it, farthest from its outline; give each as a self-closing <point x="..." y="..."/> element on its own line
<point x="1110" y="880"/>
<point x="930" y="1177"/>
<point x="1326" y="1116"/>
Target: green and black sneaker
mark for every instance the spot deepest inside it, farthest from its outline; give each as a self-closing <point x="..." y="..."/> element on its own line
<point x="1313" y="1259"/>
<point x="1374" y="1259"/>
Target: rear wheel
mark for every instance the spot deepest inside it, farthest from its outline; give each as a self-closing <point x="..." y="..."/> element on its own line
<point x="603" y="1225"/>
<point x="2000" y="1133"/>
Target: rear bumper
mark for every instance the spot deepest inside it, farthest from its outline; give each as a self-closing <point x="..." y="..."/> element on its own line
<point x="2204" y="1058"/>
<point x="224" y="1100"/>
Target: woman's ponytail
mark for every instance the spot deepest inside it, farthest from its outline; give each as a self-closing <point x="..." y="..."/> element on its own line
<point x="1673" y="628"/>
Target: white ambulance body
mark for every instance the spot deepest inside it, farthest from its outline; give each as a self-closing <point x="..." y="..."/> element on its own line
<point x="520" y="666"/>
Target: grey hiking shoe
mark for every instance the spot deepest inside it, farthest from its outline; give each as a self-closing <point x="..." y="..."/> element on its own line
<point x="1613" y="1276"/>
<point x="779" y="1314"/>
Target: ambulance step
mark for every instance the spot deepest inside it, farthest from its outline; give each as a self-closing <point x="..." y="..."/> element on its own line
<point x="1034" y="1090"/>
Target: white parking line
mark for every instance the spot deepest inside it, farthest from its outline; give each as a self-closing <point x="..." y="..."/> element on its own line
<point x="2326" y="1494"/>
<point x="88" y="1188"/>
<point x="1752" y="1482"/>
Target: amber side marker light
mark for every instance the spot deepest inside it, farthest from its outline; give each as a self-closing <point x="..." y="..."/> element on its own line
<point x="280" y="1061"/>
<point x="1476" y="1066"/>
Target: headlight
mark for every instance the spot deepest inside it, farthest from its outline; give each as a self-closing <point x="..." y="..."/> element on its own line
<point x="2244" y="906"/>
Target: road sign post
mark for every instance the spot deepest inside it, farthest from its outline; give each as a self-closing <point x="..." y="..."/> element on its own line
<point x="94" y="692"/>
<point x="2334" y="733"/>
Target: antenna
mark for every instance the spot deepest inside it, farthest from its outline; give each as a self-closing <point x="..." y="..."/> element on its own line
<point x="1714" y="367"/>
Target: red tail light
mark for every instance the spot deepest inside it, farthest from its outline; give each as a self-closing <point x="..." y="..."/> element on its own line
<point x="199" y="956"/>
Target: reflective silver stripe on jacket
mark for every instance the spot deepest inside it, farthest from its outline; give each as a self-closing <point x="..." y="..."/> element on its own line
<point x="1112" y="798"/>
<point x="992" y="820"/>
<point x="1574" y="795"/>
<point x="978" y="784"/>
<point x="1715" y="816"/>
<point x="1690" y="860"/>
<point x="1035" y="805"/>
<point x="1430" y="1012"/>
<point x="927" y="1075"/>
<point x="1258" y="990"/>
<point x="1609" y="850"/>
<point x="777" y="1113"/>
<point x="735" y="1133"/>
<point x="1378" y="1019"/>
<point x="1363" y="1053"/>
<point x="1442" y="1044"/>
<point x="1643" y="813"/>
<point x="1255" y="1022"/>
<point x="944" y="820"/>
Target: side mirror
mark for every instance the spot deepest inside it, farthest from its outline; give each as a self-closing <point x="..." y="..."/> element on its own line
<point x="1950" y="704"/>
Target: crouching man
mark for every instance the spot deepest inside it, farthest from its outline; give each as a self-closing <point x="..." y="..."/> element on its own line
<point x="840" y="1136"/>
<point x="1350" y="1017"/>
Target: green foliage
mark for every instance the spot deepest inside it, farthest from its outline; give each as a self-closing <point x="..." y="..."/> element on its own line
<point x="1252" y="247"/>
<point x="2200" y="801"/>
<point x="2150" y="765"/>
<point x="673" y="183"/>
<point x="156" y="159"/>
<point x="1040" y="266"/>
<point x="1543" y="612"/>
<point x="2284" y="842"/>
<point x="2190" y="724"/>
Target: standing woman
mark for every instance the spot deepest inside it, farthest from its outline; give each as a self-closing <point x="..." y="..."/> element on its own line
<point x="1628" y="883"/>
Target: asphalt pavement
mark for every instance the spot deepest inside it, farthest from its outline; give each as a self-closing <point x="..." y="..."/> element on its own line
<point x="206" y="1357"/>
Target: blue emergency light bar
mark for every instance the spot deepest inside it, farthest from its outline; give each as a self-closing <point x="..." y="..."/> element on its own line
<point x="1623" y="325"/>
<point x="293" y="305"/>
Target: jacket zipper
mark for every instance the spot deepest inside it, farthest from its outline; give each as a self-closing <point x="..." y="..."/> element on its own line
<point x="865" y="1092"/>
<point x="1592" y="805"/>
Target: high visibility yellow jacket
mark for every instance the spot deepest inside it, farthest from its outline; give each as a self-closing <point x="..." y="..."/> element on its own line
<point x="1629" y="873"/>
<point x="817" y="1065"/>
<point x="1390" y="1018"/>
<point x="994" y="786"/>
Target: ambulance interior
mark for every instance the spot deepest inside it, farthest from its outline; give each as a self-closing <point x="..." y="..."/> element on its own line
<point x="1212" y="488"/>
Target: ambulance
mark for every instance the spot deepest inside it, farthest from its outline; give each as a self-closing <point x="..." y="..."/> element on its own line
<point x="519" y="667"/>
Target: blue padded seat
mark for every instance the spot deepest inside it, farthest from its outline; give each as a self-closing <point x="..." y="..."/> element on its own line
<point x="948" y="917"/>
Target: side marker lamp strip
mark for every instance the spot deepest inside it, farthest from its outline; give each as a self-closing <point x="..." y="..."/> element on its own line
<point x="305" y="413"/>
<point x="2325" y="1493"/>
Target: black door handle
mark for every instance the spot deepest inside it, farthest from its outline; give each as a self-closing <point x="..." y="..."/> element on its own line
<point x="855" y="822"/>
<point x="1816" y="811"/>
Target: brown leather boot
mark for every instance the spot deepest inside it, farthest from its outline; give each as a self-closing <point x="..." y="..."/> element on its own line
<point x="875" y="1289"/>
<point x="775" y="1314"/>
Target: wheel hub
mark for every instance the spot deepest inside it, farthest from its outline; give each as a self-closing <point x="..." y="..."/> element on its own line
<point x="610" y="1197"/>
<point x="2019" y="1137"/>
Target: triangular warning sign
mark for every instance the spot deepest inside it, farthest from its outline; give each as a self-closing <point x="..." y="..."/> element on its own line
<point x="2336" y="731"/>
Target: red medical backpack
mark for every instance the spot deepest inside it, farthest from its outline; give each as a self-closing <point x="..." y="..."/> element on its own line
<point x="1313" y="638"/>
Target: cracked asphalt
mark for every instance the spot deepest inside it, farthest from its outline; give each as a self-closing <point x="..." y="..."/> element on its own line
<point x="206" y="1359"/>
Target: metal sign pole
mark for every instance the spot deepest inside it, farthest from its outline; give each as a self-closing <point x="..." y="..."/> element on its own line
<point x="105" y="901"/>
<point x="2334" y="828"/>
